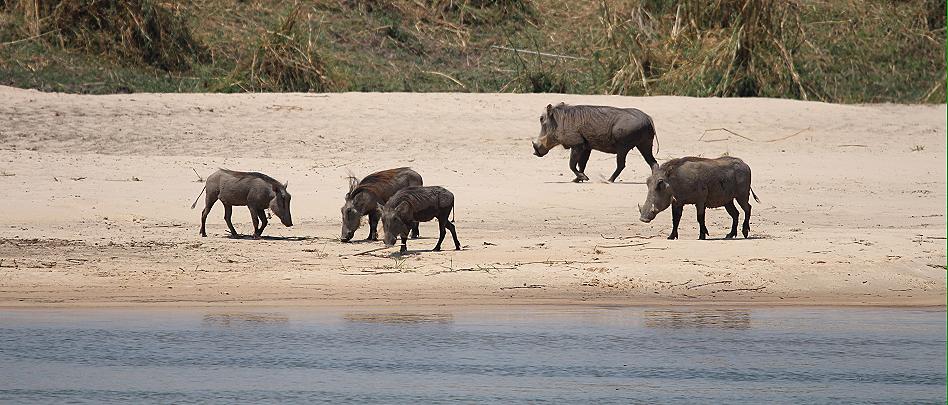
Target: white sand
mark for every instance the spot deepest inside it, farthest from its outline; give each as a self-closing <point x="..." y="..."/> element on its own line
<point x="850" y="214"/>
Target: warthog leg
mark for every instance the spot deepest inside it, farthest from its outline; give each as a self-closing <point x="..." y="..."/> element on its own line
<point x="228" y="209"/>
<point x="207" y="210"/>
<point x="745" y="205"/>
<point x="621" y="154"/>
<point x="404" y="247"/>
<point x="414" y="230"/>
<point x="256" y="222"/>
<point x="676" y="218"/>
<point x="255" y="214"/>
<point x="442" y="224"/>
<point x="454" y="234"/>
<point x="731" y="209"/>
<point x="374" y="217"/>
<point x="575" y="157"/>
<point x="703" y="230"/>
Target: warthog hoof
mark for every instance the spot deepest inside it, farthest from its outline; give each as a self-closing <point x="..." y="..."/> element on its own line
<point x="372" y="238"/>
<point x="730" y="236"/>
<point x="673" y="236"/>
<point x="234" y="236"/>
<point x="436" y="249"/>
<point x="580" y="178"/>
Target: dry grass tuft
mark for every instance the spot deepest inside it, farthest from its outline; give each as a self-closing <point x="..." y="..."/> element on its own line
<point x="154" y="33"/>
<point x="286" y="59"/>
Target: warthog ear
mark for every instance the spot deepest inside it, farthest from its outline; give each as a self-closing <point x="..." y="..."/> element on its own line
<point x="655" y="168"/>
<point x="286" y="184"/>
<point x="549" y="108"/>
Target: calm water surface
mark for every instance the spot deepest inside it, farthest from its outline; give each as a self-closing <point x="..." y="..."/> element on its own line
<point x="505" y="355"/>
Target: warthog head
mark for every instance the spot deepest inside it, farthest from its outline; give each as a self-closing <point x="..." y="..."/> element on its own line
<point x="395" y="225"/>
<point x="659" y="195"/>
<point x="280" y="204"/>
<point x="547" y="139"/>
<point x="351" y="217"/>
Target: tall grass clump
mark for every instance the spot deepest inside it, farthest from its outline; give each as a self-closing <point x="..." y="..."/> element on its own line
<point x="146" y="31"/>
<point x="286" y="58"/>
<point x="706" y="48"/>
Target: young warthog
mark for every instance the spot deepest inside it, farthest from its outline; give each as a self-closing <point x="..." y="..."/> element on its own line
<point x="706" y="183"/>
<point x="418" y="204"/>
<point x="582" y="128"/>
<point x="364" y="197"/>
<point x="255" y="190"/>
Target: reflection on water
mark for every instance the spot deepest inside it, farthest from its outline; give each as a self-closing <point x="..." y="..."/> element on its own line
<point x="698" y="318"/>
<point x="228" y="319"/>
<point x="398" y="318"/>
<point x="499" y="355"/>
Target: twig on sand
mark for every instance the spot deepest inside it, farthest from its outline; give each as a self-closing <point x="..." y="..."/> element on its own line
<point x="742" y="289"/>
<point x="713" y="282"/>
<point x="701" y="138"/>
<point x="523" y="286"/>
<point x="370" y="273"/>
<point x="621" y="246"/>
<point x="679" y="284"/>
<point x="5" y="174"/>
<point x="552" y="262"/>
<point x="200" y="179"/>
<point x="366" y="251"/>
<point x="852" y="145"/>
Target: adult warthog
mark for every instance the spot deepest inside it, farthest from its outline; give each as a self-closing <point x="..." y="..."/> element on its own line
<point x="255" y="190"/>
<point x="582" y="128"/>
<point x="412" y="205"/>
<point x="365" y="197"/>
<point x="706" y="183"/>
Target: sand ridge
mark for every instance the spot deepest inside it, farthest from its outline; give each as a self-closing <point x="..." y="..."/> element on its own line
<point x="99" y="190"/>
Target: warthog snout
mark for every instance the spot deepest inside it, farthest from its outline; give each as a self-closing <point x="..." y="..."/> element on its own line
<point x="347" y="236"/>
<point x="646" y="215"/>
<point x="538" y="150"/>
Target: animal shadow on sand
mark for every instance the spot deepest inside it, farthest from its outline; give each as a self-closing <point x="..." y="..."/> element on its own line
<point x="272" y="238"/>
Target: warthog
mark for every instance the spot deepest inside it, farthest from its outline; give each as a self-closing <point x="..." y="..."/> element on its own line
<point x="418" y="204"/>
<point x="582" y="128"/>
<point x="364" y="197"/>
<point x="706" y="183"/>
<point x="255" y="190"/>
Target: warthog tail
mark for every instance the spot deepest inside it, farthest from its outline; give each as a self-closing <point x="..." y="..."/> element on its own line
<point x="658" y="145"/>
<point x="199" y="197"/>
<point x="755" y="195"/>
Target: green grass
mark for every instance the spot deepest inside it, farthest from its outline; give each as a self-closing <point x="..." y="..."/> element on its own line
<point x="849" y="51"/>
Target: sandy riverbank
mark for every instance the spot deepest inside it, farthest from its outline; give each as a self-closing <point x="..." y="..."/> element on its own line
<point x="98" y="191"/>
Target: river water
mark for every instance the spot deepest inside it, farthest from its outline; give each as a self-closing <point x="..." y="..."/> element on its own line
<point x="473" y="355"/>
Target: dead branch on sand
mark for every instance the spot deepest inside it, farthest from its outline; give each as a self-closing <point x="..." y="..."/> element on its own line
<point x="701" y="138"/>
<point x="713" y="282"/>
<point x="200" y="179"/>
<point x="366" y="251"/>
<point x="742" y="289"/>
<point x="523" y="286"/>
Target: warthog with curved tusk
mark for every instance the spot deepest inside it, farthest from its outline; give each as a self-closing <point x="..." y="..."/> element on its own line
<point x="255" y="190"/>
<point x="706" y="183"/>
<point x="582" y="128"/>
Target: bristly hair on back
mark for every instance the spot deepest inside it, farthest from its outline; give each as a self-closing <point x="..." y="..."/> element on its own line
<point x="372" y="183"/>
<point x="258" y="175"/>
<point x="353" y="182"/>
